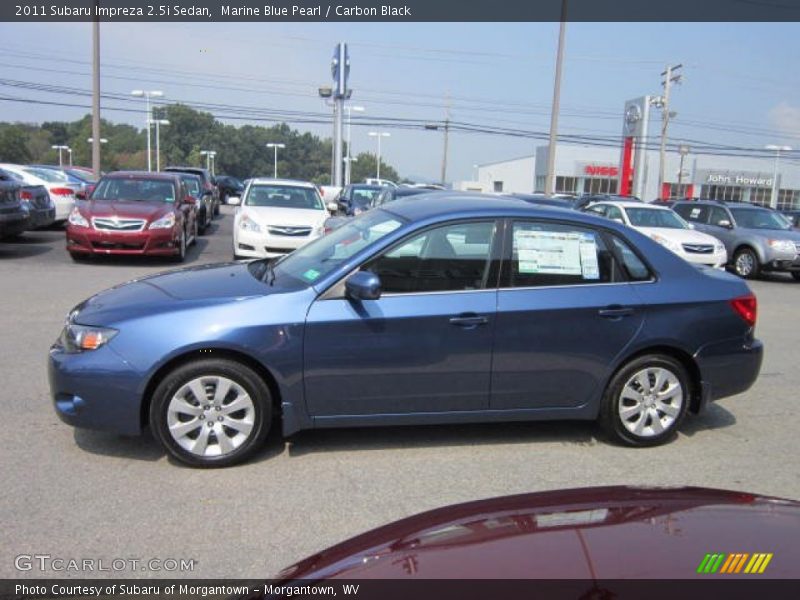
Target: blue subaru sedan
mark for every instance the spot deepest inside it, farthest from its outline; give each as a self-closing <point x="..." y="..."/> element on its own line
<point x="446" y="308"/>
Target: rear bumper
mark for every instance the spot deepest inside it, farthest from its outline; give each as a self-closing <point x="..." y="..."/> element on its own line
<point x="42" y="217"/>
<point x="728" y="368"/>
<point x="13" y="223"/>
<point x="151" y="242"/>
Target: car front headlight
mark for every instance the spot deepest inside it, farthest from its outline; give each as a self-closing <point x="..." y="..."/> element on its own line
<point x="667" y="243"/>
<point x="782" y="245"/>
<point x="719" y="247"/>
<point x="248" y="224"/>
<point x="165" y="222"/>
<point x="82" y="338"/>
<point x="357" y="211"/>
<point x="77" y="219"/>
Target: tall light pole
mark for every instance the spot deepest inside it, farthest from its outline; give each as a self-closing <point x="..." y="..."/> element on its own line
<point x="60" y="148"/>
<point x="69" y="151"/>
<point x="683" y="150"/>
<point x="147" y="94"/>
<point x="210" y="155"/>
<point x="349" y="158"/>
<point x="549" y="186"/>
<point x="158" y="123"/>
<point x="773" y="202"/>
<point x="96" y="94"/>
<point x="275" y="147"/>
<point x="379" y="135"/>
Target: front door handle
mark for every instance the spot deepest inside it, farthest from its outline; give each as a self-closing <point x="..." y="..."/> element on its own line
<point x="469" y="320"/>
<point x="615" y="312"/>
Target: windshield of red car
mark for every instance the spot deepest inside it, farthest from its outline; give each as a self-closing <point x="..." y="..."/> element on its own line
<point x="135" y="190"/>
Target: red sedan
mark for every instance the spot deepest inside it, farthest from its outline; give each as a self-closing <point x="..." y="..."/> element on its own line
<point x="134" y="213"/>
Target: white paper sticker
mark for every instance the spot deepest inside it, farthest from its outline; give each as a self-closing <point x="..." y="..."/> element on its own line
<point x="557" y="253"/>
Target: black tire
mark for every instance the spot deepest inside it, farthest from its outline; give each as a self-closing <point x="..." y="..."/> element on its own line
<point x="79" y="257"/>
<point x="201" y="217"/>
<point x="195" y="232"/>
<point x="745" y="263"/>
<point x="796" y="275"/>
<point x="242" y="376"/>
<point x="613" y="423"/>
<point x="216" y="208"/>
<point x="181" y="255"/>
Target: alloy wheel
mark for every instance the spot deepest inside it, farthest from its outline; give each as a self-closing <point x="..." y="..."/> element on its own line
<point x="210" y="416"/>
<point x="650" y="402"/>
<point x="744" y="265"/>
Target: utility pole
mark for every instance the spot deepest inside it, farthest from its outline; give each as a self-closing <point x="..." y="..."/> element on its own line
<point x="670" y="77"/>
<point x="551" y="151"/>
<point x="96" y="139"/>
<point x="446" y="136"/>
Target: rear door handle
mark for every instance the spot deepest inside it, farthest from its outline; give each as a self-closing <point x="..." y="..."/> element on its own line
<point x="469" y="320"/>
<point x="615" y="312"/>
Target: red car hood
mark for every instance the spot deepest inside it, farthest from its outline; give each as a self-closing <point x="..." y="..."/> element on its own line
<point x="125" y="209"/>
<point x="592" y="533"/>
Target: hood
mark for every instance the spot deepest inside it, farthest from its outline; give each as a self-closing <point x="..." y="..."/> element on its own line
<point x="592" y="533"/>
<point x="680" y="236"/>
<point x="127" y="209"/>
<point x="192" y="286"/>
<point x="295" y="217"/>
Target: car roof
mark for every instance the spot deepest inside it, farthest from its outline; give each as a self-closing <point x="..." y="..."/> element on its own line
<point x="287" y="182"/>
<point x="433" y="205"/>
<point x="367" y="186"/>
<point x="142" y="175"/>
<point x="629" y="204"/>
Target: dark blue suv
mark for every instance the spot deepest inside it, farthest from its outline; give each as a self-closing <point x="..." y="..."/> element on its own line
<point x="441" y="308"/>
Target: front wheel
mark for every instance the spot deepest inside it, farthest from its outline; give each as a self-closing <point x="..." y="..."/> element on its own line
<point x="211" y="413"/>
<point x="646" y="401"/>
<point x="745" y="264"/>
<point x="796" y="275"/>
<point x="181" y="255"/>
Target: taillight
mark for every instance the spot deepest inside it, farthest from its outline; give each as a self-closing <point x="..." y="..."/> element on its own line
<point x="25" y="195"/>
<point x="747" y="308"/>
<point x="59" y="191"/>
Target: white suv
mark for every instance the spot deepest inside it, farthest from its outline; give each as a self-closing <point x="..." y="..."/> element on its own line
<point x="275" y="217"/>
<point x="663" y="225"/>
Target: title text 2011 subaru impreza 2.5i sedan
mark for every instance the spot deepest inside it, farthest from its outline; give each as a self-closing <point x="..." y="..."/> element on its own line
<point x="437" y="309"/>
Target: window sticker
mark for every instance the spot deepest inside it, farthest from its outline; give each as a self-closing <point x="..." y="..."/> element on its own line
<point x="590" y="269"/>
<point x="550" y="252"/>
<point x="695" y="213"/>
<point x="311" y="274"/>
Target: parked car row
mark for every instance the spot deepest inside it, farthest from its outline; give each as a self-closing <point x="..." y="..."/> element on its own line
<point x="23" y="207"/>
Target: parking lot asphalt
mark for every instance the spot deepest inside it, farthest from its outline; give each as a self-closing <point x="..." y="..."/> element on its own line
<point x="79" y="494"/>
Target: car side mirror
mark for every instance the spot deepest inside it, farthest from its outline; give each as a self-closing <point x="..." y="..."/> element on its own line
<point x="363" y="285"/>
<point x="618" y="220"/>
<point x="332" y="207"/>
<point x="234" y="200"/>
<point x="725" y="223"/>
<point x="80" y="195"/>
<point x="691" y="225"/>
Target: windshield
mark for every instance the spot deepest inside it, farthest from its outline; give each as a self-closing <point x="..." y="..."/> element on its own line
<point x="192" y="185"/>
<point x="654" y="217"/>
<point x="137" y="190"/>
<point x="283" y="196"/>
<point x="48" y="175"/>
<point x="759" y="218"/>
<point x="324" y="255"/>
<point x="363" y="196"/>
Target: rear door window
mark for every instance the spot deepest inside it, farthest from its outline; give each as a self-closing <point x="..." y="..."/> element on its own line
<point x="692" y="212"/>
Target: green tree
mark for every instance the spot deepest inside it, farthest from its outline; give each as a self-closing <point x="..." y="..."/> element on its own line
<point x="13" y="144"/>
<point x="365" y="166"/>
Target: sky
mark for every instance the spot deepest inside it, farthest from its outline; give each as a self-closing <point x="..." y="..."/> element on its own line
<point x="741" y="86"/>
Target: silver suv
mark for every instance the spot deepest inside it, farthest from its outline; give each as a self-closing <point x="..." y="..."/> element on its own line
<point x="756" y="238"/>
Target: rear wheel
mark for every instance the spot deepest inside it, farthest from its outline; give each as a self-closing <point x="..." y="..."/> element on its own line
<point x="646" y="401"/>
<point x="796" y="275"/>
<point x="211" y="413"/>
<point x="745" y="263"/>
<point x="203" y="220"/>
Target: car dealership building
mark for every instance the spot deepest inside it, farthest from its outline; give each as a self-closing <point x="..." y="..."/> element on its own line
<point x="590" y="169"/>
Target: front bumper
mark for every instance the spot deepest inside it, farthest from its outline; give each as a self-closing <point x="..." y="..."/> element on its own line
<point x="151" y="242"/>
<point x="729" y="367"/>
<point x="716" y="259"/>
<point x="265" y="245"/>
<point x="95" y="390"/>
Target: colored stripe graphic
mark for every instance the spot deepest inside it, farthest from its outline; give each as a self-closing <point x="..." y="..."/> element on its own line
<point x="719" y="562"/>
